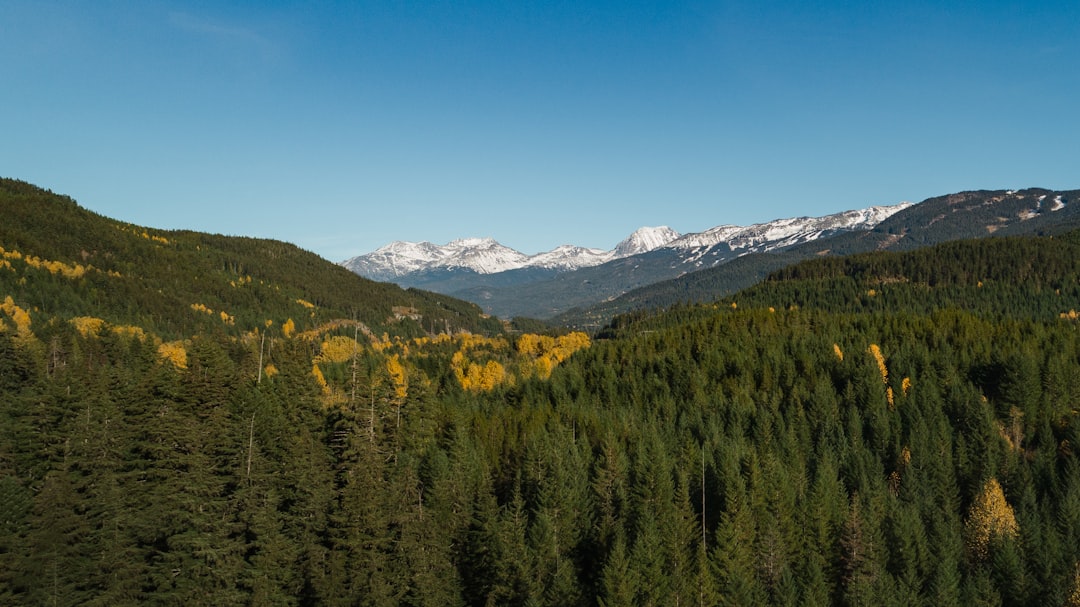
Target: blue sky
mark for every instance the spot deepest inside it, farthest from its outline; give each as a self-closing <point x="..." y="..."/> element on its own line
<point x="342" y="126"/>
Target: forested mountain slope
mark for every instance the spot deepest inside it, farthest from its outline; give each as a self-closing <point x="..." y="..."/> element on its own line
<point x="91" y="265"/>
<point x="803" y="443"/>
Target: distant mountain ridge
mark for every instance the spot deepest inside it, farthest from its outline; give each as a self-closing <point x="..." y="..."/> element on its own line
<point x="487" y="256"/>
<point x="486" y="272"/>
<point x="962" y="215"/>
<point x="400" y="259"/>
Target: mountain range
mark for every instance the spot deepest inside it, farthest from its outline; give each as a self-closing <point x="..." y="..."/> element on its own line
<point x="488" y="273"/>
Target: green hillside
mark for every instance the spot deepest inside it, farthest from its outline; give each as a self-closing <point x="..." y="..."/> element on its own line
<point x="884" y="429"/>
<point x="133" y="275"/>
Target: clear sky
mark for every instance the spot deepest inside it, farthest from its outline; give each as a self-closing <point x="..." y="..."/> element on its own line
<point x="342" y="126"/>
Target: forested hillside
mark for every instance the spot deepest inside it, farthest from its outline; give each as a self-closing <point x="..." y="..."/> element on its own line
<point x="890" y="429"/>
<point x="67" y="261"/>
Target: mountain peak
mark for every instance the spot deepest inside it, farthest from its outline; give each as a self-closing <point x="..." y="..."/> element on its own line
<point x="472" y="242"/>
<point x="644" y="240"/>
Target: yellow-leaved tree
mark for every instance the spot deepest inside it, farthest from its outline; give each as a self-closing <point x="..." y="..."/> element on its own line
<point x="397" y="377"/>
<point x="991" y="518"/>
<point x="174" y="352"/>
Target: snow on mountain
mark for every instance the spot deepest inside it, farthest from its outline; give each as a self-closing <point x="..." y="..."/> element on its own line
<point x="484" y="255"/>
<point x="487" y="256"/>
<point x="569" y="257"/>
<point x="644" y="240"/>
<point x="787" y="232"/>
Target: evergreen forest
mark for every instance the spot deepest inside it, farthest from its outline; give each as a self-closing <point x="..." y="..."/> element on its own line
<point x="193" y="419"/>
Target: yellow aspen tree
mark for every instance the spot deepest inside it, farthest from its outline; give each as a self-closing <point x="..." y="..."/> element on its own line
<point x="990" y="518"/>
<point x="397" y="376"/>
<point x="317" y="373"/>
<point x="87" y="326"/>
<point x="544" y="367"/>
<point x="457" y="365"/>
<point x="174" y="352"/>
<point x="838" y="352"/>
<point x="288" y="328"/>
<point x="529" y="345"/>
<point x="875" y="351"/>
<point x="19" y="316"/>
<point x="492" y="375"/>
<point x="130" y="331"/>
<point x="337" y="349"/>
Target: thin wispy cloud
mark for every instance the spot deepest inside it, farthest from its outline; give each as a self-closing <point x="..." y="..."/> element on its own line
<point x="232" y="35"/>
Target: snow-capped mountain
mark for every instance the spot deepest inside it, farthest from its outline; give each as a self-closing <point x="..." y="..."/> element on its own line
<point x="782" y="233"/>
<point x="644" y="240"/>
<point x="486" y="256"/>
<point x="398" y="260"/>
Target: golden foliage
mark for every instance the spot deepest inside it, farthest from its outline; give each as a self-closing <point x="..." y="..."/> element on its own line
<point x="19" y="316"/>
<point x="534" y="345"/>
<point x="130" y="331"/>
<point x="905" y="386"/>
<point x="270" y="370"/>
<point x="227" y="318"/>
<point x="1070" y="315"/>
<point x="397" y="376"/>
<point x="330" y="396"/>
<point x="198" y="307"/>
<point x="990" y="518"/>
<point x="338" y="349"/>
<point x="875" y="351"/>
<point x="88" y="326"/>
<point x="288" y="328"/>
<point x="306" y="304"/>
<point x="838" y="352"/>
<point x="174" y="352"/>
<point x="56" y="267"/>
<point x="316" y="372"/>
<point x="548" y="352"/>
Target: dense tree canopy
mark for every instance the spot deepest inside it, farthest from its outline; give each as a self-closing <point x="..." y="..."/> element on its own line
<point x="803" y="442"/>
